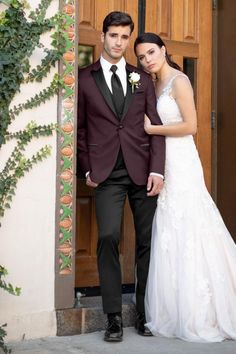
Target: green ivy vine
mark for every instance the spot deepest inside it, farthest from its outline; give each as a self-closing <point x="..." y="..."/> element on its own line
<point x="20" y="35"/>
<point x="11" y="290"/>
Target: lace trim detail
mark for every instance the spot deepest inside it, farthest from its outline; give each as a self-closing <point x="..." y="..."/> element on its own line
<point x="168" y="87"/>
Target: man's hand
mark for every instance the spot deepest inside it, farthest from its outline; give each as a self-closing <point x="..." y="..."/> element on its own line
<point x="90" y="183"/>
<point x="154" y="185"/>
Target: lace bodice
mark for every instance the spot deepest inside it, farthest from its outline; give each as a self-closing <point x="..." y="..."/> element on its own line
<point x="166" y="105"/>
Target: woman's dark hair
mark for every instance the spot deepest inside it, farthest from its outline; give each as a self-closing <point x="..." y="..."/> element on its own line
<point x="150" y="37"/>
<point x="117" y="18"/>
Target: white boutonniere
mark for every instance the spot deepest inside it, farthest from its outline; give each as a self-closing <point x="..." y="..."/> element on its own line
<point x="134" y="79"/>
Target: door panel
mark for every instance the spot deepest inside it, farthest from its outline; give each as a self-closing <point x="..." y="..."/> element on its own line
<point x="226" y="108"/>
<point x="86" y="241"/>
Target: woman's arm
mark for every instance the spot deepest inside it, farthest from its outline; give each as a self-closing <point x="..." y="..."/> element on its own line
<point x="183" y="94"/>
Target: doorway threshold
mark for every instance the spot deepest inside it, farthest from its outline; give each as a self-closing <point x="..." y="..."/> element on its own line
<point x="95" y="290"/>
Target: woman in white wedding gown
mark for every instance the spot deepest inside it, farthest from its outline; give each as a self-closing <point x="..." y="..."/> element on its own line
<point x="191" y="287"/>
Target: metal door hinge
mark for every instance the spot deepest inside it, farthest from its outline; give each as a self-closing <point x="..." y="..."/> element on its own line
<point x="213" y="119"/>
<point x="214" y="5"/>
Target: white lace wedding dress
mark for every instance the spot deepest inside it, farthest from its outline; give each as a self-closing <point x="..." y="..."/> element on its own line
<point x="191" y="288"/>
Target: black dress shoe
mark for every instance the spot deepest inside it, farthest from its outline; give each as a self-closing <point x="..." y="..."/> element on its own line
<point x="114" y="330"/>
<point x="140" y="325"/>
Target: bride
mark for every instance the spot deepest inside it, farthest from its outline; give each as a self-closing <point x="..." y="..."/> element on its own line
<point x="191" y="287"/>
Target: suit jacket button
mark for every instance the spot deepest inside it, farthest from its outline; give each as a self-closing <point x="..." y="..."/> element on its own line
<point x="121" y="126"/>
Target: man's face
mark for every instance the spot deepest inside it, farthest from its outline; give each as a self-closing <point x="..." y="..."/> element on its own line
<point x="115" y="41"/>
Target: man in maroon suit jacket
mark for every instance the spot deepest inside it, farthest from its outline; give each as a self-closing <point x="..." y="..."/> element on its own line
<point x="119" y="159"/>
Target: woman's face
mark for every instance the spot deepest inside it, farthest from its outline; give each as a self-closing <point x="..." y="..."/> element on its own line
<point x="151" y="56"/>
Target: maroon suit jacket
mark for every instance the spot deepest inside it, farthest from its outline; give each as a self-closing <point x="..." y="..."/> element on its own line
<point x="101" y="133"/>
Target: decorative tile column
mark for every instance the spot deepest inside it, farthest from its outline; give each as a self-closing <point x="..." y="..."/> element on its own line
<point x="66" y="165"/>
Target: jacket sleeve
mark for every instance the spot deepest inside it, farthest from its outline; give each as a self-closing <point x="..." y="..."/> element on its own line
<point x="82" y="145"/>
<point x="157" y="142"/>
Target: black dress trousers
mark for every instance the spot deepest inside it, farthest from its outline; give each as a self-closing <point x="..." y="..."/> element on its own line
<point x="110" y="198"/>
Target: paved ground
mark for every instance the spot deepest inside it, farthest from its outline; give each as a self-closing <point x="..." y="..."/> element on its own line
<point x="93" y="343"/>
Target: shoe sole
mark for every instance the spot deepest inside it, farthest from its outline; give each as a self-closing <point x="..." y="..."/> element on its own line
<point x="113" y="339"/>
<point x="145" y="334"/>
<point x="141" y="333"/>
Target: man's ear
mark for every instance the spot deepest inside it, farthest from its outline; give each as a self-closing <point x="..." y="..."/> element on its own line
<point x="102" y="37"/>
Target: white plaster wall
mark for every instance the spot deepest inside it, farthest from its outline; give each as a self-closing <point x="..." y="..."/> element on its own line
<point x="27" y="235"/>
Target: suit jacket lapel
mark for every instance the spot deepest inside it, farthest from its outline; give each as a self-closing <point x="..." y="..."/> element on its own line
<point x="102" y="86"/>
<point x="99" y="78"/>
<point x="129" y="95"/>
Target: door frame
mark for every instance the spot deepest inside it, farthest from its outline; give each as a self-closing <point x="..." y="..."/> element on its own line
<point x="214" y="102"/>
<point x="66" y="149"/>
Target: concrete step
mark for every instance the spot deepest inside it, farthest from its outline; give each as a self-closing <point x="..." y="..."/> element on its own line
<point x="88" y="316"/>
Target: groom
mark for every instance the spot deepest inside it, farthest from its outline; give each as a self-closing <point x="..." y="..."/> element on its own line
<point x="119" y="159"/>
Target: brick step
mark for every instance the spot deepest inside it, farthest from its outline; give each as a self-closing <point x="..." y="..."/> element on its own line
<point x="88" y="316"/>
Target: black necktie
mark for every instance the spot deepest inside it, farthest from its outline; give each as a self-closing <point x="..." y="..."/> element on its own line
<point x="117" y="90"/>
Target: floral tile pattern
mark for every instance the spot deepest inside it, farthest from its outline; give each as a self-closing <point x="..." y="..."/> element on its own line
<point x="66" y="147"/>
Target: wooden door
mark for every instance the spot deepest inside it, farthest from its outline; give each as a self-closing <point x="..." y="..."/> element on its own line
<point x="226" y="108"/>
<point x="185" y="26"/>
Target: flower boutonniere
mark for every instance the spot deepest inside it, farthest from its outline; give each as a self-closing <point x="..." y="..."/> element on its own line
<point x="134" y="79"/>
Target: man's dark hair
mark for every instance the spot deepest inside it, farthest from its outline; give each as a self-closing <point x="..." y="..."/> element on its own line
<point x="117" y="18"/>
